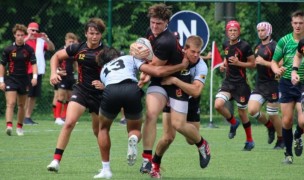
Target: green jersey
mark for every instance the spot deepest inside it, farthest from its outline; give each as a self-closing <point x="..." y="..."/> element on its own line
<point x="286" y="48"/>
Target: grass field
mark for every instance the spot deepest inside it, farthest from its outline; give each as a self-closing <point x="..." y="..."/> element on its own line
<point x="26" y="157"/>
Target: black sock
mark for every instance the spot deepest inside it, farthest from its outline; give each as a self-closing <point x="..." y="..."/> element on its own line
<point x="288" y="138"/>
<point x="157" y="159"/>
<point x="200" y="142"/>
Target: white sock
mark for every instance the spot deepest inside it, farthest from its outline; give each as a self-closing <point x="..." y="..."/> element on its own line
<point x="105" y="165"/>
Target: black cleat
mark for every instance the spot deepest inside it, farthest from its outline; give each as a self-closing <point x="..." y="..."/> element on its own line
<point x="146" y="167"/>
<point x="279" y="144"/>
<point x="248" y="146"/>
<point x="204" y="154"/>
<point x="271" y="133"/>
<point x="233" y="129"/>
<point x="298" y="147"/>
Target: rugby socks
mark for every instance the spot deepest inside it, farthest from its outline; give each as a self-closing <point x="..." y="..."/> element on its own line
<point x="298" y="132"/>
<point x="9" y="124"/>
<point x="231" y="120"/>
<point x="54" y="111"/>
<point x="58" y="154"/>
<point x="147" y="154"/>
<point x="105" y="165"/>
<point x="269" y="124"/>
<point x="156" y="161"/>
<point x="288" y="138"/>
<point x="247" y="127"/>
<point x="65" y="106"/>
<point x="58" y="109"/>
<point x="200" y="143"/>
<point x="19" y="125"/>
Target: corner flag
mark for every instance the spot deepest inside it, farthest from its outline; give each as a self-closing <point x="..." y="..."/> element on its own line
<point x="216" y="61"/>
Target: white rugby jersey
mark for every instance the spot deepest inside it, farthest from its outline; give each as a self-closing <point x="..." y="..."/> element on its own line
<point x="120" y="69"/>
<point x="199" y="71"/>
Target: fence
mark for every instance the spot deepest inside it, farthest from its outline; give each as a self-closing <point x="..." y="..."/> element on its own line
<point x="127" y="20"/>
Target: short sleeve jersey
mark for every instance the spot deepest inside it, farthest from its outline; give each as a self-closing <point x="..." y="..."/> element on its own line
<point x="199" y="71"/>
<point x="18" y="59"/>
<point x="166" y="47"/>
<point x="286" y="50"/>
<point x="88" y="69"/>
<point x="265" y="74"/>
<point x="120" y="69"/>
<point x="242" y="50"/>
<point x="67" y="64"/>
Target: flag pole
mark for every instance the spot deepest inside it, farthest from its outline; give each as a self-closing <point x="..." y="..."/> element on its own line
<point x="211" y="88"/>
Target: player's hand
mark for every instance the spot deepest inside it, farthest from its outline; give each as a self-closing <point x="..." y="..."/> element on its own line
<point x="138" y="51"/>
<point x="185" y="63"/>
<point x="2" y="86"/>
<point x="233" y="60"/>
<point x="223" y="67"/>
<point x="143" y="79"/>
<point x="295" y="78"/>
<point x="279" y="71"/>
<point x="259" y="60"/>
<point x="34" y="82"/>
<point x="98" y="84"/>
<point x="61" y="72"/>
<point x="55" y="79"/>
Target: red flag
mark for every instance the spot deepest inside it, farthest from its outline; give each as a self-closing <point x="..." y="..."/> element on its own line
<point x="216" y="57"/>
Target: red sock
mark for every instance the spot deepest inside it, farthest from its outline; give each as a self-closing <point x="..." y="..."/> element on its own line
<point x="65" y="107"/>
<point x="147" y="156"/>
<point x="58" y="109"/>
<point x="247" y="128"/>
<point x="232" y="120"/>
<point x="269" y="124"/>
<point x="54" y="111"/>
<point x="9" y="124"/>
<point x="19" y="125"/>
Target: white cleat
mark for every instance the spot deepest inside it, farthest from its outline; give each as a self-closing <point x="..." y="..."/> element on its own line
<point x="107" y="174"/>
<point x="53" y="166"/>
<point x="19" y="132"/>
<point x="132" y="150"/>
<point x="59" y="121"/>
<point x="9" y="130"/>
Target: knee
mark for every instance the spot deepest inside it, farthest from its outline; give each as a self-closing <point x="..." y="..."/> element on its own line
<point x="218" y="104"/>
<point x="10" y="105"/>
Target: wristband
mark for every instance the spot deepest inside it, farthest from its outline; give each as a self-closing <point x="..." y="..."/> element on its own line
<point x="35" y="76"/>
<point x="1" y="79"/>
<point x="295" y="68"/>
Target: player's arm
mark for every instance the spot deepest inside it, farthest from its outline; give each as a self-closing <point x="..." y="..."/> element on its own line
<point x="295" y="78"/>
<point x="162" y="71"/>
<point x="61" y="54"/>
<point x="234" y="60"/>
<point x="2" y="70"/>
<point x="193" y="89"/>
<point x="35" y="75"/>
<point x="261" y="61"/>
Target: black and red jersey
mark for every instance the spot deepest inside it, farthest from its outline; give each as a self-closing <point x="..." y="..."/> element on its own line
<point x="242" y="50"/>
<point x="17" y="58"/>
<point x="88" y="69"/>
<point x="67" y="65"/>
<point x="265" y="74"/>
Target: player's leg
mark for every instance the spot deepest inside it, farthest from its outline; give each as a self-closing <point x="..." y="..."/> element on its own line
<point x="10" y="97"/>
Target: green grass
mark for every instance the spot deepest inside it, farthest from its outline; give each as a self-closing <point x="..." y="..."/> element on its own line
<point x="26" y="157"/>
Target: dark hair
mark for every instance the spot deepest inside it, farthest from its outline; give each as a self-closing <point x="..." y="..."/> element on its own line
<point x="160" y="11"/>
<point x="297" y="13"/>
<point x="106" y="55"/>
<point x="19" y="27"/>
<point x="97" y="24"/>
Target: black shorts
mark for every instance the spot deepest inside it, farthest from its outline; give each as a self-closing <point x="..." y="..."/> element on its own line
<point x="126" y="95"/>
<point x="290" y="92"/>
<point x="194" y="111"/>
<point x="240" y="92"/>
<point x="35" y="91"/>
<point x="17" y="83"/>
<point x="90" y="100"/>
<point x="67" y="82"/>
<point x="269" y="91"/>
